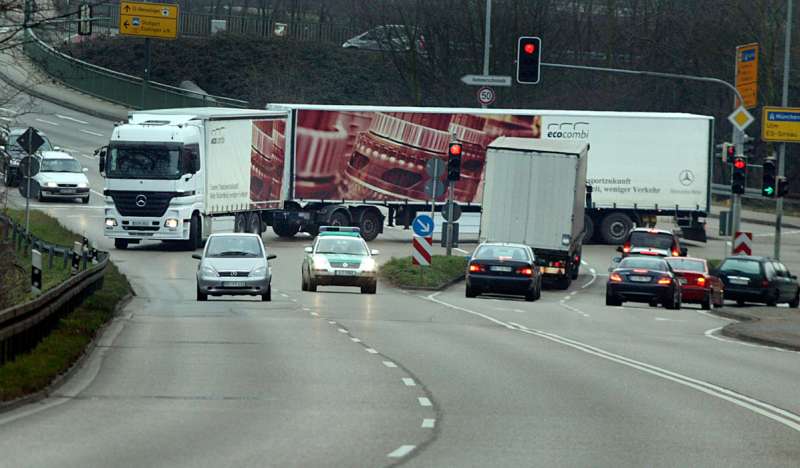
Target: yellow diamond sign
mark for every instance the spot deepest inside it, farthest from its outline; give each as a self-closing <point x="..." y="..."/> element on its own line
<point x="740" y="118"/>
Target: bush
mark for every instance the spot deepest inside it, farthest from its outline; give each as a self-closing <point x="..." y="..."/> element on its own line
<point x="443" y="270"/>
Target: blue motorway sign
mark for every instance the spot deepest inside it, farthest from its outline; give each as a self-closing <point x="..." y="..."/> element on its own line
<point x="423" y="225"/>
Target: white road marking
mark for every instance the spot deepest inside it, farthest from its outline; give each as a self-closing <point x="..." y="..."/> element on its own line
<point x="402" y="451"/>
<point x="342" y="330"/>
<point x="428" y="423"/>
<point x="355" y="340"/>
<point x="7" y="119"/>
<point x="96" y="192"/>
<point x="89" y="132"/>
<point x="284" y="295"/>
<point x="332" y="322"/>
<point x="66" y="117"/>
<point x="712" y="333"/>
<point x="390" y="364"/>
<point x="521" y="327"/>
<point x="788" y="419"/>
<point x="424" y="401"/>
<point x="460" y="250"/>
<point x="315" y="314"/>
<point x="306" y="309"/>
<point x="409" y="382"/>
<point x="56" y="124"/>
<point x="664" y="319"/>
<point x="574" y="309"/>
<point x="371" y="350"/>
<point x="87" y="156"/>
<point x="593" y="273"/>
<point x="573" y="293"/>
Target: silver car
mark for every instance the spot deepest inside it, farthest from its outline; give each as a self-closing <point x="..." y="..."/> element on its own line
<point x="234" y="264"/>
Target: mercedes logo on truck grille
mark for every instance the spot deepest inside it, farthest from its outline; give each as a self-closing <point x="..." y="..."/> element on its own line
<point x="141" y="201"/>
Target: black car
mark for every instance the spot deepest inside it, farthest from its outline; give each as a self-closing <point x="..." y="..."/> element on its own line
<point x="643" y="279"/>
<point x="758" y="279"/>
<point x="654" y="242"/>
<point x="502" y="268"/>
<point x="12" y="153"/>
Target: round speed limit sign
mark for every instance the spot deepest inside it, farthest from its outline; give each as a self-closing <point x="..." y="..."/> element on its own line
<point x="486" y="95"/>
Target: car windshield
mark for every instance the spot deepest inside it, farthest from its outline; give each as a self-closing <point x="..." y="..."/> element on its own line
<point x="685" y="264"/>
<point x="14" y="146"/>
<point x="654" y="240"/>
<point x="644" y="263"/>
<point x="233" y="246"/>
<point x="144" y="162"/>
<point x="736" y="265"/>
<point x="502" y="252"/>
<point x="60" y="165"/>
<point x="341" y="246"/>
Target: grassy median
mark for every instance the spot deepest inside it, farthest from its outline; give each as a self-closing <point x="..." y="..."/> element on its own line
<point x="443" y="271"/>
<point x="55" y="354"/>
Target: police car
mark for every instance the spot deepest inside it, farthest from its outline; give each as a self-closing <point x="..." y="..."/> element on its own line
<point x="340" y="257"/>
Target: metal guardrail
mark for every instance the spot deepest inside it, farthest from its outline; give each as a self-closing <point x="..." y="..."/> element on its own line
<point x="24" y="325"/>
<point x="114" y="86"/>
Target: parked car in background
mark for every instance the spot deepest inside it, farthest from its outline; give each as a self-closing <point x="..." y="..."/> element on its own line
<point x="502" y="268"/>
<point x="234" y="264"/>
<point x="655" y="242"/>
<point x="390" y="37"/>
<point x="758" y="279"/>
<point x="60" y="176"/>
<point x="698" y="285"/>
<point x="11" y="153"/>
<point x="643" y="279"/>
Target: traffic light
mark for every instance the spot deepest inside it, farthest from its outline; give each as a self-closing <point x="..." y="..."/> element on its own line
<point x="768" y="188"/>
<point x="782" y="186"/>
<point x="529" y="59"/>
<point x="739" y="175"/>
<point x="749" y="146"/>
<point x="454" y="161"/>
<point x="727" y="151"/>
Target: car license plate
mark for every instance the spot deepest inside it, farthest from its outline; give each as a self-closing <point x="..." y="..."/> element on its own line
<point x="140" y="223"/>
<point x="500" y="268"/>
<point x="640" y="279"/>
<point x="233" y="284"/>
<point x="67" y="191"/>
<point x="742" y="281"/>
<point x="345" y="272"/>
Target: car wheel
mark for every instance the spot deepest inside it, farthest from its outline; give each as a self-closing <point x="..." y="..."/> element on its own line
<point x="195" y="235"/>
<point x="773" y="301"/>
<point x="706" y="304"/>
<point x="85" y="200"/>
<point x="611" y="300"/>
<point x="303" y="282"/>
<point x="470" y="292"/>
<point x="267" y="296"/>
<point x="201" y="296"/>
<point x="121" y="244"/>
<point x="37" y="189"/>
<point x="740" y="302"/>
<point x="794" y="303"/>
<point x="369" y="288"/>
<point x="539" y="289"/>
<point x="339" y="219"/>
<point x="312" y="286"/>
<point x="7" y="179"/>
<point x="653" y="303"/>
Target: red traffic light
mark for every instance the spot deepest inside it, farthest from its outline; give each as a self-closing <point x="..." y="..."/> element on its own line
<point x="739" y="163"/>
<point x="455" y="149"/>
<point x="529" y="48"/>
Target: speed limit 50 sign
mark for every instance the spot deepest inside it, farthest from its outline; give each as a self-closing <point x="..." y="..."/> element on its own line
<point x="486" y="95"/>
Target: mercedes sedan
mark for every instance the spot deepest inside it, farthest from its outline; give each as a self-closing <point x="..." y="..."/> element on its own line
<point x="234" y="264"/>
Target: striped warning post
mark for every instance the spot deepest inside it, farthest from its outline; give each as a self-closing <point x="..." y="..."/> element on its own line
<point x="422" y="250"/>
<point x="743" y="243"/>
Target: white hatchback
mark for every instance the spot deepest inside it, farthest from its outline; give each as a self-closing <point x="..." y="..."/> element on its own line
<point x="60" y="176"/>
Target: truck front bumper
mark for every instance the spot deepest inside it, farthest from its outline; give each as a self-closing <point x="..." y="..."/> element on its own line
<point x="170" y="226"/>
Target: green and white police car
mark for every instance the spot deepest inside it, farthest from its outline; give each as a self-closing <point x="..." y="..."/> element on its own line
<point x="340" y="257"/>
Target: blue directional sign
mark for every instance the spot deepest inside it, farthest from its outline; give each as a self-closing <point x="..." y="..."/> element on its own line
<point x="423" y="225"/>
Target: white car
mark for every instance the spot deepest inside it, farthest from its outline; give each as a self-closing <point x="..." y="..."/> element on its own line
<point x="60" y="176"/>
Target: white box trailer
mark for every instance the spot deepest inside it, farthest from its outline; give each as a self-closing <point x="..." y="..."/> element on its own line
<point x="535" y="194"/>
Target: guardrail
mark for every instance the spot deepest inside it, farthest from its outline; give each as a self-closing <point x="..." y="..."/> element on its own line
<point x="24" y="325"/>
<point x="113" y="86"/>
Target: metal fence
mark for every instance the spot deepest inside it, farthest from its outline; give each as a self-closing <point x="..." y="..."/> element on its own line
<point x="23" y="326"/>
<point x="126" y="90"/>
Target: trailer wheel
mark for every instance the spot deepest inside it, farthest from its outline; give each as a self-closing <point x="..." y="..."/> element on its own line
<point x="370" y="225"/>
<point x="285" y="229"/>
<point x="254" y="223"/>
<point x="615" y="227"/>
<point x="339" y="218"/>
<point x="240" y="222"/>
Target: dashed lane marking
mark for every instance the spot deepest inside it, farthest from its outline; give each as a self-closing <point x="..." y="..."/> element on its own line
<point x="355" y="340"/>
<point x="332" y="322"/>
<point x="342" y="330"/>
<point x="315" y="314"/>
<point x="402" y="451"/>
<point x="409" y="382"/>
<point x="89" y="132"/>
<point x="371" y="350"/>
<point x="424" y="401"/>
<point x="428" y="423"/>
<point x="48" y="122"/>
<point x="390" y="364"/>
<point x="73" y="119"/>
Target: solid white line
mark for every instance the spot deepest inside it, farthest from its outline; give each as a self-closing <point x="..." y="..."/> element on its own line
<point x="712" y="333"/>
<point x="96" y="192"/>
<point x="389" y="364"/>
<point x="763" y="408"/>
<point x="48" y="122"/>
<point x="89" y="132"/>
<point x="371" y="350"/>
<point x="409" y="382"/>
<point x="423" y="401"/>
<point x="355" y="340"/>
<point x="342" y="330"/>
<point x="402" y="451"/>
<point x="332" y="322"/>
<point x="315" y="314"/>
<point x="284" y="295"/>
<point x="428" y="423"/>
<point x="433" y="298"/>
<point x="7" y="119"/>
<point x="66" y="117"/>
<point x="87" y="156"/>
<point x="460" y="250"/>
<point x="306" y="309"/>
<point x="521" y="327"/>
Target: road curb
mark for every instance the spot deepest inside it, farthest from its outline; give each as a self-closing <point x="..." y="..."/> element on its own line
<point x="738" y="331"/>
<point x="438" y="288"/>
<point x="63" y="377"/>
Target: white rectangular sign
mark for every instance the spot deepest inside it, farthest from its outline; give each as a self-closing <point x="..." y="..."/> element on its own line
<point x="486" y="80"/>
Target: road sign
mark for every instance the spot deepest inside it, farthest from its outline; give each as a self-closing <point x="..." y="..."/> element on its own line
<point x="85" y="19"/>
<point x="486" y="80"/>
<point x="456" y="211"/>
<point x="157" y="20"/>
<point x="743" y="243"/>
<point x="747" y="73"/>
<point x="486" y="95"/>
<point x="29" y="166"/>
<point x="423" y="225"/>
<point x="422" y="250"/>
<point x="780" y="124"/>
<point x="429" y="187"/>
<point x="740" y="118"/>
<point x="30" y="140"/>
<point x="435" y="167"/>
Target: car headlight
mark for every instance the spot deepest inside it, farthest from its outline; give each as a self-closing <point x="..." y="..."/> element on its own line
<point x="260" y="271"/>
<point x="208" y="270"/>
<point x="83" y="185"/>
<point x="111" y="222"/>
<point x="368" y="264"/>
<point x="171" y="223"/>
<point x="321" y="263"/>
<point x="51" y="184"/>
<point x="14" y="162"/>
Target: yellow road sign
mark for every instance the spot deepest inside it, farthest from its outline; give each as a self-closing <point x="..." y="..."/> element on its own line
<point x="740" y="118"/>
<point x="747" y="73"/>
<point x="159" y="20"/>
<point x="749" y="92"/>
<point x="780" y="124"/>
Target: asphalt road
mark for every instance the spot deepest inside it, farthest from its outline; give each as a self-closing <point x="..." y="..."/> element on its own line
<point x="336" y="378"/>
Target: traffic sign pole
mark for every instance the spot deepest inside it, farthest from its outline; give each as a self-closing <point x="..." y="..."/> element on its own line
<point x="28" y="189"/>
<point x="784" y="103"/>
<point x="486" y="47"/>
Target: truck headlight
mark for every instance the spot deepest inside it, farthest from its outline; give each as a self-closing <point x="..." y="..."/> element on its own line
<point x="368" y="264"/>
<point x="83" y="185"/>
<point x="171" y="223"/>
<point x="51" y="184"/>
<point x="110" y="223"/>
<point x="14" y="162"/>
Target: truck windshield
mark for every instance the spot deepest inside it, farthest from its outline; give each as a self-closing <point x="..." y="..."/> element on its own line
<point x="145" y="162"/>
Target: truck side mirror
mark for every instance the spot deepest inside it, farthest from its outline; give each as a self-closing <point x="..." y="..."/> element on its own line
<point x="101" y="156"/>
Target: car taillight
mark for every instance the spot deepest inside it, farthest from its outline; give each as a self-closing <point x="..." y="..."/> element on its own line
<point x="701" y="281"/>
<point x="626" y="248"/>
<point x="675" y="253"/>
<point x="615" y="278"/>
<point x="525" y="271"/>
<point x="664" y="281"/>
<point x="639" y="270"/>
<point x="764" y="283"/>
<point x="556" y="264"/>
<point x="475" y="268"/>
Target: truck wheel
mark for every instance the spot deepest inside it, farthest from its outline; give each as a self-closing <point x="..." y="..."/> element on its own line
<point x="370" y="225"/>
<point x="254" y="223"/>
<point x="285" y="229"/>
<point x="195" y="236"/>
<point x="121" y="244"/>
<point x="338" y="218"/>
<point x="7" y="180"/>
<point x="615" y="227"/>
<point x="588" y="228"/>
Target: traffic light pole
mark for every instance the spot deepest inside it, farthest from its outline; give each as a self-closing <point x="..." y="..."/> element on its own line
<point x="736" y="199"/>
<point x="782" y="148"/>
<point x="450" y="196"/>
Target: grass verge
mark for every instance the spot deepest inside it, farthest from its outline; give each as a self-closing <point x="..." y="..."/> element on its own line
<point x="55" y="354"/>
<point x="443" y="270"/>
